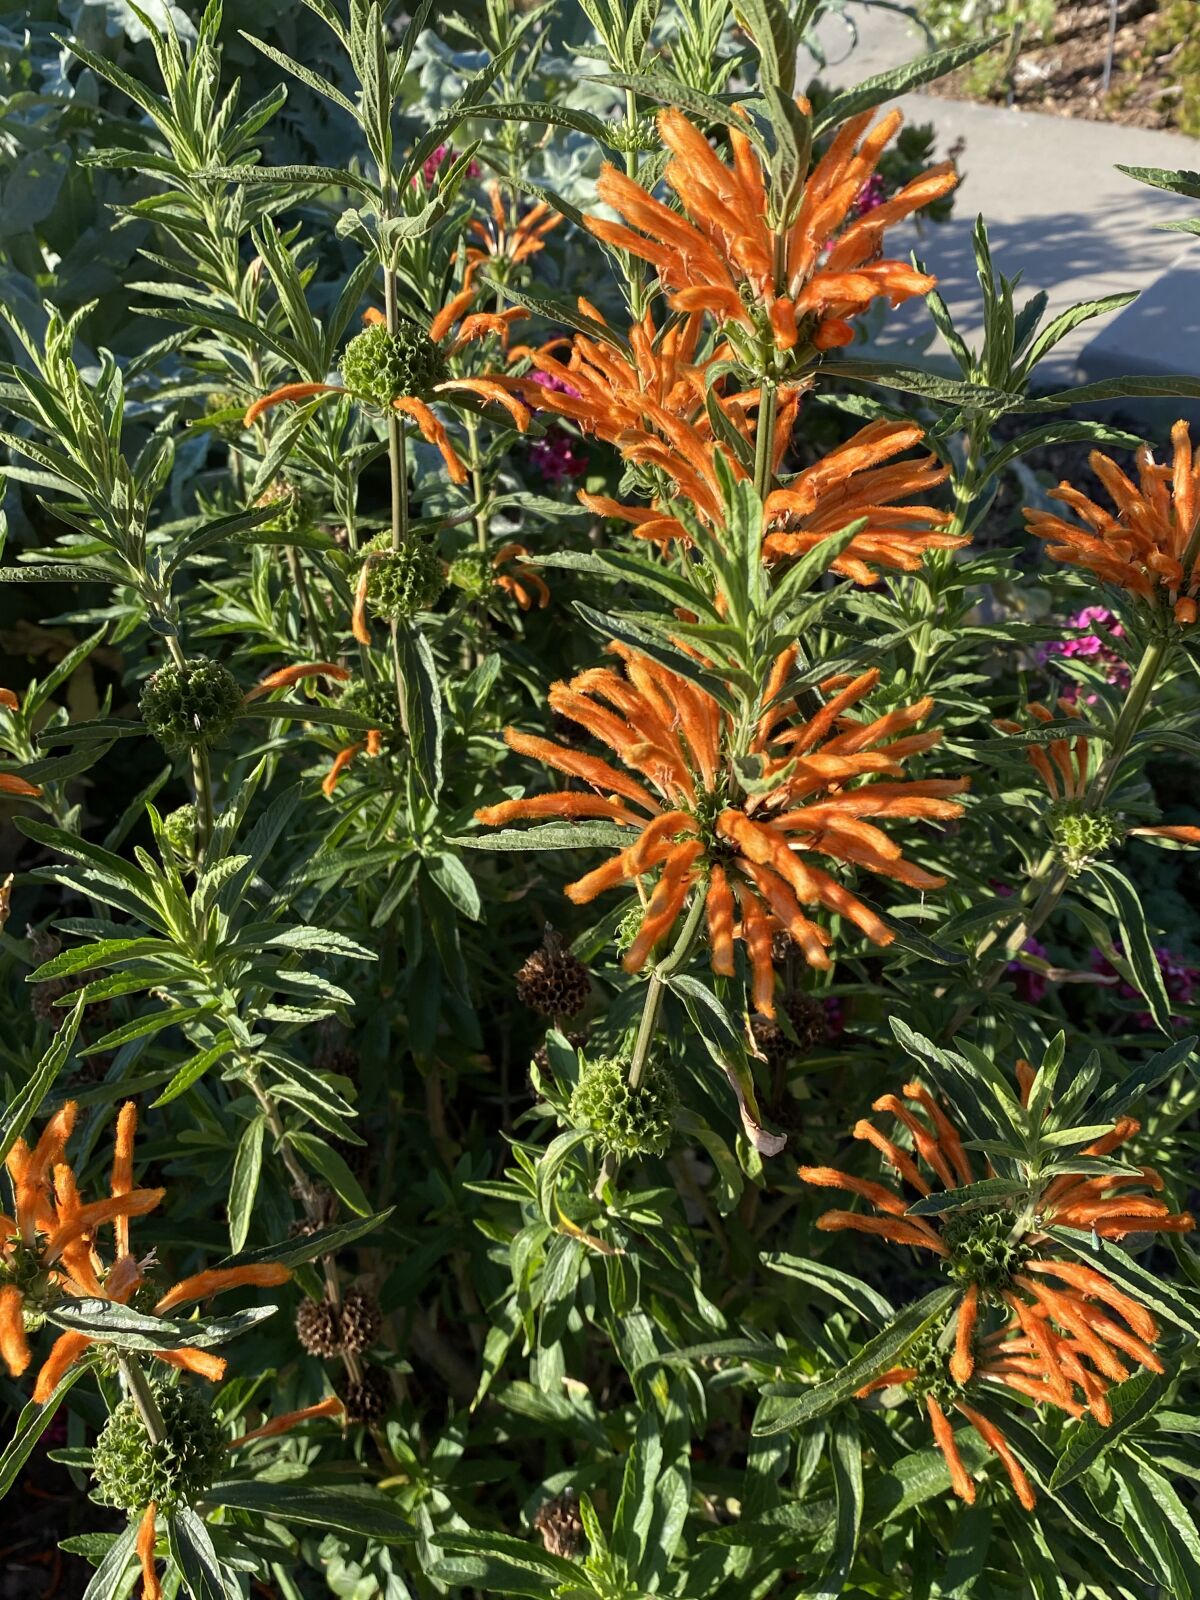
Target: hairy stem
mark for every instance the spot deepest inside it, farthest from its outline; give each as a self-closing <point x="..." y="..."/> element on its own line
<point x="142" y="1396"/>
<point x="648" y="1027"/>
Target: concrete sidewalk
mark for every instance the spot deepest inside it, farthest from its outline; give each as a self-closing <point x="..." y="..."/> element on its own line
<point x="1057" y="212"/>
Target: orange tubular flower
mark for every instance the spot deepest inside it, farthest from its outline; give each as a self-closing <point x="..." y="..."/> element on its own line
<point x="516" y="243"/>
<point x="286" y="677"/>
<point x="52" y="1240"/>
<point x="429" y="354"/>
<point x="1061" y="1331"/>
<point x="1152" y="544"/>
<point x="1064" y="766"/>
<point x="722" y="256"/>
<point x="676" y="792"/>
<point x="525" y="585"/>
<point x="652" y="406"/>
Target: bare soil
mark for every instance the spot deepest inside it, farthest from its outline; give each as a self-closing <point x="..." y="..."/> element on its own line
<point x="1063" y="74"/>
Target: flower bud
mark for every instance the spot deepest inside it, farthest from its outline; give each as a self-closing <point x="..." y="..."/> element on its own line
<point x="189" y="706"/>
<point x="1081" y="834"/>
<point x="402" y="582"/>
<point x="626" y="1120"/>
<point x="130" y="1471"/>
<point x="381" y="367"/>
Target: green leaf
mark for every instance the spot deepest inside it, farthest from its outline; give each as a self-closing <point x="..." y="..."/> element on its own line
<point x="324" y="1159"/>
<point x="125" y="1329"/>
<point x="1163" y="1527"/>
<point x="864" y="1301"/>
<point x="1131" y="1401"/>
<point x="1173" y="385"/>
<point x="291" y="177"/>
<point x="24" y="1106"/>
<point x="548" y="836"/>
<point x="1175" y="182"/>
<point x="1126" y="905"/>
<point x="33" y="1422"/>
<point x="987" y="1194"/>
<point x="192" y="1071"/>
<point x="108" y="1580"/>
<point x="325" y="1241"/>
<point x="552" y="1163"/>
<point x="562" y="116"/>
<point x="1056" y="433"/>
<point x="883" y="1352"/>
<point x="969" y="397"/>
<point x="1117" y="1100"/>
<point x="422" y="706"/>
<point x="243" y="1182"/>
<point x="192" y="1551"/>
<point x="845" y="1454"/>
<point x="355" y="1508"/>
<point x="888" y="85"/>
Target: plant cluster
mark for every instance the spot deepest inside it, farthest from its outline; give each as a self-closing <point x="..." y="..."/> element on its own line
<point x="540" y="722"/>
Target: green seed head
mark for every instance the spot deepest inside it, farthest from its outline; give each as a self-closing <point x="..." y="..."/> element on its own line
<point x="380" y="367"/>
<point x="129" y="1471"/>
<point x="402" y="582"/>
<point x="472" y="574"/>
<point x="293" y="512"/>
<point x="377" y="701"/>
<point x="930" y="1355"/>
<point x="189" y="706"/>
<point x="982" y="1249"/>
<point x="626" y="1121"/>
<point x="1081" y="835"/>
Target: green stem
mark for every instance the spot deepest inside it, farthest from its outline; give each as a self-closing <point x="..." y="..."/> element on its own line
<point x="142" y="1395"/>
<point x="202" y="783"/>
<point x="764" y="438"/>
<point x="1050" y="877"/>
<point x="656" y="990"/>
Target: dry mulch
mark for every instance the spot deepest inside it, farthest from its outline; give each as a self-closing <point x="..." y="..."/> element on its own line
<point x="1063" y="75"/>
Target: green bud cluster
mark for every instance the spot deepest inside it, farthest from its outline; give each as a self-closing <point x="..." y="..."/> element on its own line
<point x="381" y="367"/>
<point x="180" y="829"/>
<point x="625" y="1120"/>
<point x="1081" y="834"/>
<point x="628" y="928"/>
<point x="929" y="1353"/>
<point x="192" y="705"/>
<point x="982" y="1249"/>
<point x="377" y="701"/>
<point x="130" y="1471"/>
<point x="294" y="512"/>
<point x="472" y="574"/>
<point x="402" y="582"/>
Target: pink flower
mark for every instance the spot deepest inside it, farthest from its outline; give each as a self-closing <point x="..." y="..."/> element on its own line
<point x="1098" y="627"/>
<point x="556" y="385"/>
<point x="558" y="457"/>
<point x="443" y="153"/>
<point x="873" y="193"/>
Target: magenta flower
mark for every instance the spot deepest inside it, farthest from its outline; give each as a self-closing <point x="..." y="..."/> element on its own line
<point x="443" y="153"/>
<point x="1179" y="980"/>
<point x="558" y="457"/>
<point x="1097" y="629"/>
<point x="873" y="193"/>
<point x="1031" y="986"/>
